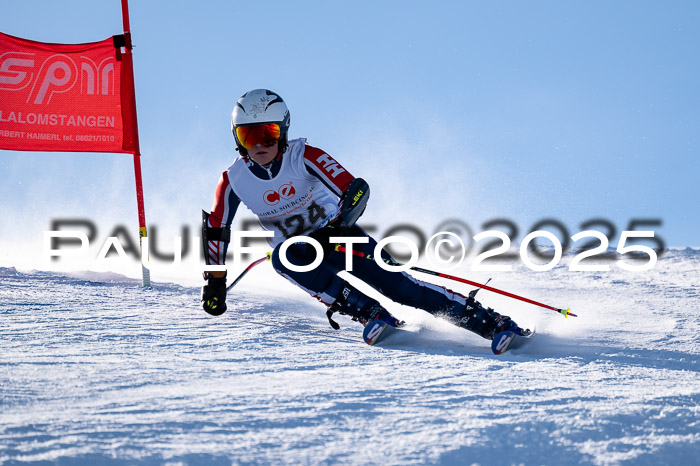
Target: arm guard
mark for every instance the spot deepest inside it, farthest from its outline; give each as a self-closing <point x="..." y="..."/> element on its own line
<point x="212" y="234"/>
<point x="353" y="203"/>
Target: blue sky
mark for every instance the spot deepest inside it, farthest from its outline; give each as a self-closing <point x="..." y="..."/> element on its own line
<point x="469" y="110"/>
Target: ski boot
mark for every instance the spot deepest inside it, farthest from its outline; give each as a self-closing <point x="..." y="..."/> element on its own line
<point x="486" y="322"/>
<point x="361" y="308"/>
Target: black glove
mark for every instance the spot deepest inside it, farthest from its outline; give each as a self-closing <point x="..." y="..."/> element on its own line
<point x="214" y="295"/>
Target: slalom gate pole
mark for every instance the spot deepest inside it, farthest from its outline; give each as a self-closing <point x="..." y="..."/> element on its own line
<point x="267" y="257"/>
<point x="564" y="312"/>
<point x="128" y="61"/>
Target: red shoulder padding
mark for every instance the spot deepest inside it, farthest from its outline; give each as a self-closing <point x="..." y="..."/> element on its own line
<point x="327" y="169"/>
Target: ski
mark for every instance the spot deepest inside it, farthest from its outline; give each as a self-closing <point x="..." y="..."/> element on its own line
<point x="376" y="331"/>
<point x="508" y="340"/>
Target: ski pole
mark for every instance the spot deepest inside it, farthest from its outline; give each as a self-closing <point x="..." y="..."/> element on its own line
<point x="267" y="257"/>
<point x="564" y="312"/>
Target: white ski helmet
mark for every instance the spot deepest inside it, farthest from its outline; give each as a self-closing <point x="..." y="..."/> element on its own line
<point x="257" y="107"/>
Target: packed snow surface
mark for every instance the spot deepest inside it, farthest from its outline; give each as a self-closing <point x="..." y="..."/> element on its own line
<point x="96" y="370"/>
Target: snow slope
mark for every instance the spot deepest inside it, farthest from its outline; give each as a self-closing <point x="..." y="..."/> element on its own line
<point x="96" y="370"/>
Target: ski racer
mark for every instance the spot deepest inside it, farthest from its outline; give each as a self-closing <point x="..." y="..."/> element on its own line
<point x="297" y="189"/>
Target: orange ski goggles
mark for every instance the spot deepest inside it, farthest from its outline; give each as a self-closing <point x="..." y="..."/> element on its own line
<point x="266" y="134"/>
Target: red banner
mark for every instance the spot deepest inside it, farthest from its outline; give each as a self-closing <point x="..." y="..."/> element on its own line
<point x="56" y="97"/>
